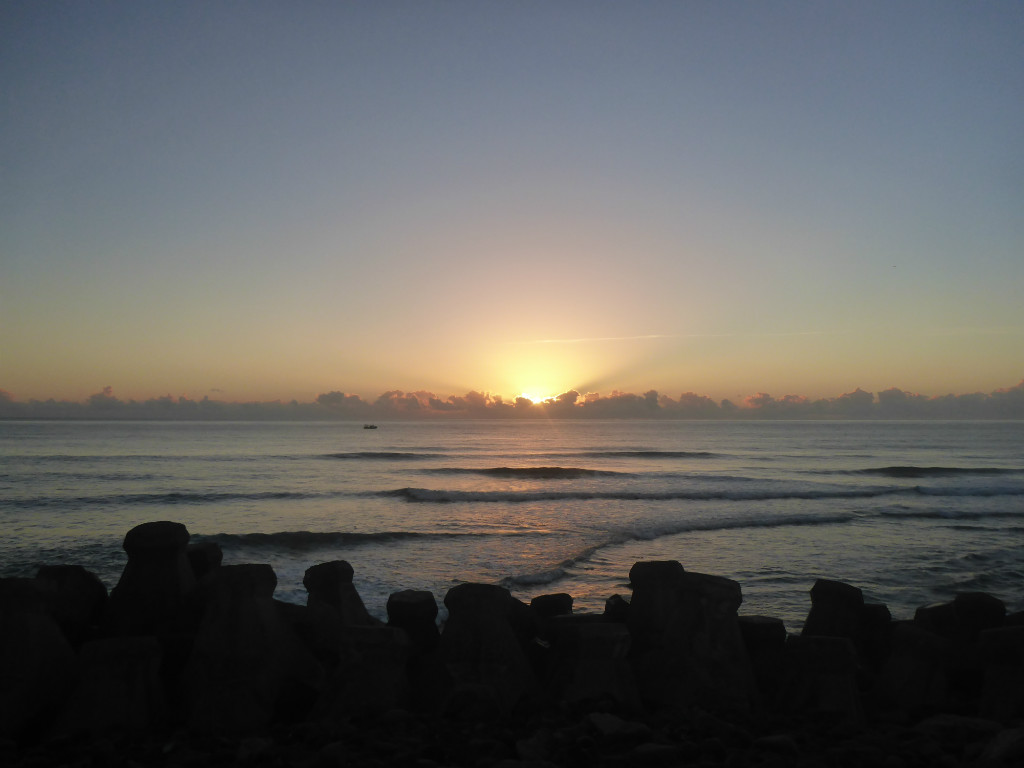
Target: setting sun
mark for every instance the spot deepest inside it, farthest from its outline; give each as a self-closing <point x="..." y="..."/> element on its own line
<point x="534" y="398"/>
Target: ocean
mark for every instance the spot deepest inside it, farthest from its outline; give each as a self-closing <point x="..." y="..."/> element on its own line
<point x="910" y="512"/>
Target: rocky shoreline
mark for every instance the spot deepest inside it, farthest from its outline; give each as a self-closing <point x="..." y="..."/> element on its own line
<point x="188" y="662"/>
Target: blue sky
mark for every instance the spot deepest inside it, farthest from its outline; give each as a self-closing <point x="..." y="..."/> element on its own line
<point x="275" y="200"/>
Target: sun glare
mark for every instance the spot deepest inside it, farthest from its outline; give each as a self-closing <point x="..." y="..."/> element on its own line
<point x="534" y="398"/>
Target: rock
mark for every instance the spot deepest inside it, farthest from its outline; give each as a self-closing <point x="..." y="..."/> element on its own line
<point x="764" y="638"/>
<point x="1005" y="748"/>
<point x="331" y="584"/>
<point x="958" y="729"/>
<point x="204" y="556"/>
<point x="687" y="646"/>
<point x="371" y="678"/>
<point x="656" y="574"/>
<point x="963" y="619"/>
<point x="939" y="619"/>
<point x="156" y="536"/>
<point x="977" y="612"/>
<point x="616" y="608"/>
<point x="655" y="753"/>
<point x="913" y="680"/>
<point x="549" y="606"/>
<point x="960" y="622"/>
<point x="589" y="662"/>
<point x="76" y="599"/>
<point x="839" y="610"/>
<point x="415" y="611"/>
<point x="613" y="726"/>
<point x="319" y="629"/>
<point x="1000" y="653"/>
<point x="38" y="666"/>
<point x="119" y="689"/>
<point x="480" y="646"/>
<point x="835" y="609"/>
<point x="821" y="680"/>
<point x="876" y="641"/>
<point x="22" y="596"/>
<point x="155" y="580"/>
<point x="245" y="678"/>
<point x="247" y="667"/>
<point x="777" y="743"/>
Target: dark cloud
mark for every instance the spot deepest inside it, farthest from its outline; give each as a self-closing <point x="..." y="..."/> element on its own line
<point x="893" y="403"/>
<point x="397" y="402"/>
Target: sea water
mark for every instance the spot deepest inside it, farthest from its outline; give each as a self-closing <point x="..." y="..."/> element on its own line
<point x="911" y="512"/>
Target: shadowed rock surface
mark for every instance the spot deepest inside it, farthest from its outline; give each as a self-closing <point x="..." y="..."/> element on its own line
<point x="192" y="663"/>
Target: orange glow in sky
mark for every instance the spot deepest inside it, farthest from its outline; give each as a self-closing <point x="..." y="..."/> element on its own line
<point x="526" y="197"/>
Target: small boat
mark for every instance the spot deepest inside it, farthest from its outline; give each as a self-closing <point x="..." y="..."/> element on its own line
<point x="369" y="426"/>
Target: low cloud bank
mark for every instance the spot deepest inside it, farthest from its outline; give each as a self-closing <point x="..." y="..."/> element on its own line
<point x="395" y="405"/>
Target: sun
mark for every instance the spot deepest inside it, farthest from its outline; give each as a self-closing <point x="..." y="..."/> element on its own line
<point x="535" y="398"/>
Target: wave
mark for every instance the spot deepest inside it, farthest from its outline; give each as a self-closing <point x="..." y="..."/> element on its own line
<point x="602" y="454"/>
<point x="537" y="473"/>
<point x="428" y="495"/>
<point x="912" y="471"/>
<point x="952" y="514"/>
<point x="169" y="498"/>
<point x="988" y="491"/>
<point x="136" y="458"/>
<point x="534" y="579"/>
<point x="383" y="455"/>
<point x="563" y="569"/>
<point x="640" y="454"/>
<point x="311" y="540"/>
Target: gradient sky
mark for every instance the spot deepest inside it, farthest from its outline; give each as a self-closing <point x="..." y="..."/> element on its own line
<point x="272" y="200"/>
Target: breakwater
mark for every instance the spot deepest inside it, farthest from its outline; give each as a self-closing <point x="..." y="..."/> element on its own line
<point x="191" y="662"/>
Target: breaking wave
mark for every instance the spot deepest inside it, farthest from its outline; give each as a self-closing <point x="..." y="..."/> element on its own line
<point x="383" y="455"/>
<point x="645" y="454"/>
<point x="533" y="473"/>
<point x="312" y="540"/>
<point x="170" y="498"/>
<point x="642" y="533"/>
<point x="428" y="495"/>
<point x="952" y="514"/>
<point x="912" y="471"/>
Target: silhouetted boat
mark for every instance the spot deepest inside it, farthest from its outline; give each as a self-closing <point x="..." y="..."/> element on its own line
<point x="369" y="426"/>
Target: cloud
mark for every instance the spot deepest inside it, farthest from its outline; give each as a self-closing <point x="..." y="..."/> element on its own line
<point x="690" y="406"/>
<point x="893" y="403"/>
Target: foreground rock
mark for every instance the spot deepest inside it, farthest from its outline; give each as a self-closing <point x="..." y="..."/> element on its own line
<point x="686" y="642"/>
<point x="190" y="662"/>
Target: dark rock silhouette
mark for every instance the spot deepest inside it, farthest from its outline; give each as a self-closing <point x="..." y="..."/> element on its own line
<point x="77" y="599"/>
<point x="246" y="663"/>
<point x="155" y="580"/>
<point x="371" y="676"/>
<point x="38" y="666"/>
<point x="192" y="662"/>
<point x="1000" y="652"/>
<point x="589" y="663"/>
<point x="764" y="638"/>
<point x="821" y="680"/>
<point x="415" y="611"/>
<point x="482" y="650"/>
<point x="686" y="642"/>
<point x="204" y="557"/>
<point x="330" y="584"/>
<point x="119" y="689"/>
<point x="549" y="606"/>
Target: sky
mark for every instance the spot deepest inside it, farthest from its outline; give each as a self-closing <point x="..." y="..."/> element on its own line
<point x="263" y="201"/>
